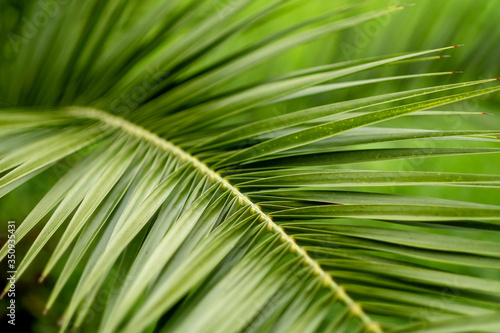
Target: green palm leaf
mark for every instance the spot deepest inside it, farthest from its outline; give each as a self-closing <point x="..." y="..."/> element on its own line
<point x="190" y="208"/>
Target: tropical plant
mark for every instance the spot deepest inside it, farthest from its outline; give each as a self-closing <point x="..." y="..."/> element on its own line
<point x="192" y="207"/>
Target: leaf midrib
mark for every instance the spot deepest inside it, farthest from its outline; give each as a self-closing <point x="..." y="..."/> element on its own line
<point x="142" y="133"/>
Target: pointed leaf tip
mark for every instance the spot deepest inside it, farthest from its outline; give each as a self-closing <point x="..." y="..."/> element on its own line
<point x="406" y="5"/>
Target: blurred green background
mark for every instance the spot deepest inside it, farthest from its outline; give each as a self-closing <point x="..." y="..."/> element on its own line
<point x="426" y="25"/>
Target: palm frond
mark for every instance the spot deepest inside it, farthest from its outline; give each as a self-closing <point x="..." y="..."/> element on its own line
<point x="191" y="209"/>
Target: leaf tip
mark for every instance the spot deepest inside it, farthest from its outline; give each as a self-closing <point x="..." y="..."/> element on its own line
<point x="407" y="5"/>
<point x="458" y="45"/>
